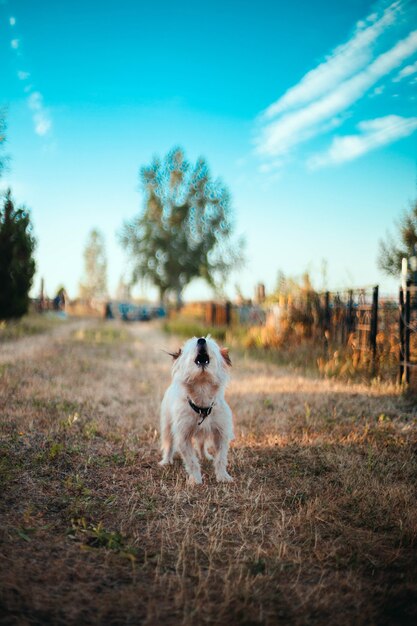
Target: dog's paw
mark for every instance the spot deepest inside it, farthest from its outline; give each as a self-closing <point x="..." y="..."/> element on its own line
<point x="209" y="456"/>
<point x="195" y="480"/>
<point x="164" y="462"/>
<point x="224" y="477"/>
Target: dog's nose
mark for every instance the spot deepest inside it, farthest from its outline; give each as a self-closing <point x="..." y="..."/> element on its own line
<point x="201" y="341"/>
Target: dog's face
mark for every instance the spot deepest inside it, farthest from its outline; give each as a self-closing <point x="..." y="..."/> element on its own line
<point x="201" y="358"/>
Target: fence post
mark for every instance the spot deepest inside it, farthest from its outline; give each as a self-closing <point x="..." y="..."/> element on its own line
<point x="401" y="329"/>
<point x="228" y="313"/>
<point x="407" y="331"/>
<point x="309" y="314"/>
<point x="350" y="319"/>
<point x="327" y="310"/>
<point x="326" y="320"/>
<point x="213" y="314"/>
<point x="42" y="296"/>
<point x="374" y="322"/>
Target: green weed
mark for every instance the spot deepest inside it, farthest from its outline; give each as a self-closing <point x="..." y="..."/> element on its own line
<point x="95" y="535"/>
<point x="101" y="335"/>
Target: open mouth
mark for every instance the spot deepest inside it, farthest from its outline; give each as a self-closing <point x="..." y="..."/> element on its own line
<point x="202" y="359"/>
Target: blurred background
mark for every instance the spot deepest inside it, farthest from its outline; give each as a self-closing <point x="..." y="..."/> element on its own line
<point x="233" y="152"/>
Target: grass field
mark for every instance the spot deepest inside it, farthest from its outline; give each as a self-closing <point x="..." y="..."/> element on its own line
<point x="318" y="527"/>
<point x="32" y="324"/>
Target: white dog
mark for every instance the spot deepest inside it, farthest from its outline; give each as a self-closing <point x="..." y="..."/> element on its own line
<point x="194" y="414"/>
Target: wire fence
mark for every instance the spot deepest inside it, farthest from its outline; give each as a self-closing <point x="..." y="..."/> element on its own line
<point x="408" y="334"/>
<point x="377" y="331"/>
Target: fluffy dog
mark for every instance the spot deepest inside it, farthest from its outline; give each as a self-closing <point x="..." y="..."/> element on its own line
<point x="194" y="414"/>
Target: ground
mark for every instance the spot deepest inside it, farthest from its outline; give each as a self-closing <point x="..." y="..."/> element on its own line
<point x="318" y="527"/>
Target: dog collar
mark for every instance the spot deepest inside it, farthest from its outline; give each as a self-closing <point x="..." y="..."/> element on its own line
<point x="203" y="411"/>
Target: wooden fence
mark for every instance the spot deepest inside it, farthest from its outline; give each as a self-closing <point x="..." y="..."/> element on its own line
<point x="376" y="329"/>
<point x="330" y="316"/>
<point x="408" y="334"/>
<point x="218" y="314"/>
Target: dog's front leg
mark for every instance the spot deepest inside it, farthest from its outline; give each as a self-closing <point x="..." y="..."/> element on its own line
<point x="191" y="464"/>
<point x="221" y="446"/>
<point x="167" y="442"/>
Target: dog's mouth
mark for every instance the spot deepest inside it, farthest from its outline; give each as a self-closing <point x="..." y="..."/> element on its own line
<point x="202" y="359"/>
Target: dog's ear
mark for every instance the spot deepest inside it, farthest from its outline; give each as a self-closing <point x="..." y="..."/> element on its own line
<point x="176" y="354"/>
<point x="225" y="354"/>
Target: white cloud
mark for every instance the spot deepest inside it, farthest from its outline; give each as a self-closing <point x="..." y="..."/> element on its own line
<point x="41" y="116"/>
<point x="408" y="70"/>
<point x="42" y="123"/>
<point x="343" y="62"/>
<point x="35" y="101"/>
<point x="292" y="128"/>
<point x="324" y="98"/>
<point x="372" y="134"/>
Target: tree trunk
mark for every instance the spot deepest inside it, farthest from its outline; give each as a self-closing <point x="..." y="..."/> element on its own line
<point x="162" y="296"/>
<point x="179" y="302"/>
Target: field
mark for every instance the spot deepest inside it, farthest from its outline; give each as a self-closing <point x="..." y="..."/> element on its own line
<point x="318" y="527"/>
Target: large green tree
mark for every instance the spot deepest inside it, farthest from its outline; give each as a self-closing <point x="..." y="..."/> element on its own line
<point x="94" y="283"/>
<point x="185" y="228"/>
<point x="395" y="247"/>
<point x="17" y="265"/>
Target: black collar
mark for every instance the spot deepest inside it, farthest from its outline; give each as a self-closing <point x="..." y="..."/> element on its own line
<point x="203" y="411"/>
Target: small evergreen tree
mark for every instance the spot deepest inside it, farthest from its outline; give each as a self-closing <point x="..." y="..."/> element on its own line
<point x="394" y="249"/>
<point x="95" y="267"/>
<point x="17" y="265"/>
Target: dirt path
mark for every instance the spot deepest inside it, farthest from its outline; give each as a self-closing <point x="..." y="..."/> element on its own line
<point x="258" y="390"/>
<point x="318" y="526"/>
<point x="29" y="347"/>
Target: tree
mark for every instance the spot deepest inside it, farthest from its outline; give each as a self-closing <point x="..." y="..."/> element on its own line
<point x="394" y="249"/>
<point x="185" y="228"/>
<point x="95" y="267"/>
<point x="17" y="265"/>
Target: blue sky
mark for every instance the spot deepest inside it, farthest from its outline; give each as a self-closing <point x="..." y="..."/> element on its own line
<point x="307" y="111"/>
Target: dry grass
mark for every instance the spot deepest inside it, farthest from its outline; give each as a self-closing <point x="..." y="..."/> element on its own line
<point x="319" y="526"/>
<point x="31" y="324"/>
